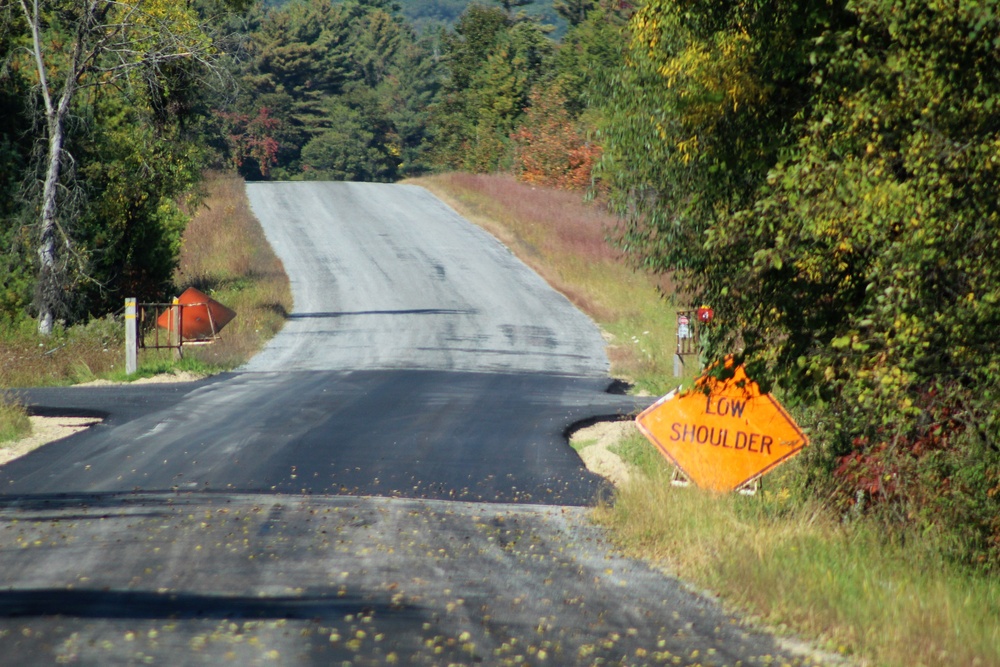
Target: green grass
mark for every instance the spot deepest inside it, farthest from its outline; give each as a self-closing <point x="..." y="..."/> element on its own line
<point x="580" y="445"/>
<point x="635" y="450"/>
<point x="14" y="422"/>
<point x="152" y="364"/>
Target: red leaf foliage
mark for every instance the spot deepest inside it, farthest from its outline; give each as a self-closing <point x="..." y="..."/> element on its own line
<point x="549" y="149"/>
<point x="252" y="137"/>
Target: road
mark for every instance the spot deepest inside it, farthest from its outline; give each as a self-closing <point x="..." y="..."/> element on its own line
<point x="387" y="483"/>
<point x="388" y="277"/>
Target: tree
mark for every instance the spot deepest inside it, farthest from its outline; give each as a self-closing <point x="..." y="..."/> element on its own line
<point x="298" y="57"/>
<point x="251" y="139"/>
<point x="549" y="149"/>
<point x="15" y="151"/>
<point x="709" y="97"/>
<point x="574" y="11"/>
<point x="588" y="57"/>
<point x="825" y="177"/>
<point x="135" y="177"/>
<point x="493" y="62"/>
<point x="510" y="5"/>
<point x="348" y="81"/>
<point x="377" y="48"/>
<point x="86" y="44"/>
<point x="347" y="151"/>
<point x="408" y="97"/>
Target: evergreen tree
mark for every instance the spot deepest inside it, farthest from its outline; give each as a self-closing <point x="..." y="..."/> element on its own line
<point x="493" y="61"/>
<point x="347" y="86"/>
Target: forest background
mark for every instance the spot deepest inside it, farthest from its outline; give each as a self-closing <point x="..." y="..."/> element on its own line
<point x="824" y="174"/>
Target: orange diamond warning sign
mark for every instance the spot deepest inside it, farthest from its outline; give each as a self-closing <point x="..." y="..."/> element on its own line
<point x="723" y="433"/>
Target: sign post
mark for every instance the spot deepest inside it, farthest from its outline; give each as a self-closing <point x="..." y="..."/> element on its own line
<point x="686" y="342"/>
<point x="722" y="434"/>
<point x="690" y="325"/>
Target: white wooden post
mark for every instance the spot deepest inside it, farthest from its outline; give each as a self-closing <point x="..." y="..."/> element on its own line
<point x="176" y="314"/>
<point x="131" y="339"/>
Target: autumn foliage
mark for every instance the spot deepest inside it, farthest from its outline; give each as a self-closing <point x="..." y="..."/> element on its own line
<point x="548" y="147"/>
<point x="252" y="138"/>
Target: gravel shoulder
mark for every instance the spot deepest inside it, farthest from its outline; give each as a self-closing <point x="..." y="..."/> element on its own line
<point x="595" y="445"/>
<point x="43" y="431"/>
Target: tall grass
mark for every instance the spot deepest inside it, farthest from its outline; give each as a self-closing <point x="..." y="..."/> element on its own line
<point x="564" y="239"/>
<point x="887" y="600"/>
<point x="69" y="355"/>
<point x="226" y="255"/>
<point x="14" y="422"/>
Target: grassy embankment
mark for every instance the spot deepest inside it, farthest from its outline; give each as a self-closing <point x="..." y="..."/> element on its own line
<point x="799" y="569"/>
<point x="224" y="254"/>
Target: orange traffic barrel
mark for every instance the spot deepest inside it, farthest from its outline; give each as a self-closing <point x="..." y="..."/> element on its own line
<point x="201" y="315"/>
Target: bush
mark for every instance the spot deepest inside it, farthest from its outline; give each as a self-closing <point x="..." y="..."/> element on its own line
<point x="548" y="148"/>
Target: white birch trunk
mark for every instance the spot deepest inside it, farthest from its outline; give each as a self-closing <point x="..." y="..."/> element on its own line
<point x="55" y="117"/>
<point x="47" y="234"/>
<point x="94" y="36"/>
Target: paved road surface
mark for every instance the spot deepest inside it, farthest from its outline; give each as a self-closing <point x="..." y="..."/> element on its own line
<point x="388" y="277"/>
<point x="387" y="483"/>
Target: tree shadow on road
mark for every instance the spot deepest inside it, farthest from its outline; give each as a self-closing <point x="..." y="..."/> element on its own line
<point x="185" y="605"/>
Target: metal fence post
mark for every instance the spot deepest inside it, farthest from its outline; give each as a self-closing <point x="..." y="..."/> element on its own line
<point x="131" y="339"/>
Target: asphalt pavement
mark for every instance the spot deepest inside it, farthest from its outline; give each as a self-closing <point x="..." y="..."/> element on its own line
<point x="387" y="277"/>
<point x="389" y="482"/>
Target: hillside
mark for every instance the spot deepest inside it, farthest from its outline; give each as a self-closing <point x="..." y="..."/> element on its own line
<point x="426" y="16"/>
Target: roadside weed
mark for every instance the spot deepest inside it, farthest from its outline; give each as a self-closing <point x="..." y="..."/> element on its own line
<point x="14" y="422"/>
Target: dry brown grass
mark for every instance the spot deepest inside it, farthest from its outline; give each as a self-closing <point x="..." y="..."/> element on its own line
<point x="226" y="255"/>
<point x="568" y="225"/>
<point x="548" y="229"/>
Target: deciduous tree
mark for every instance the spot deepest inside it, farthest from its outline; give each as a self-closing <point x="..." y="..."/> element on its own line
<point x="825" y="177"/>
<point x="549" y="148"/>
<point x="76" y="45"/>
